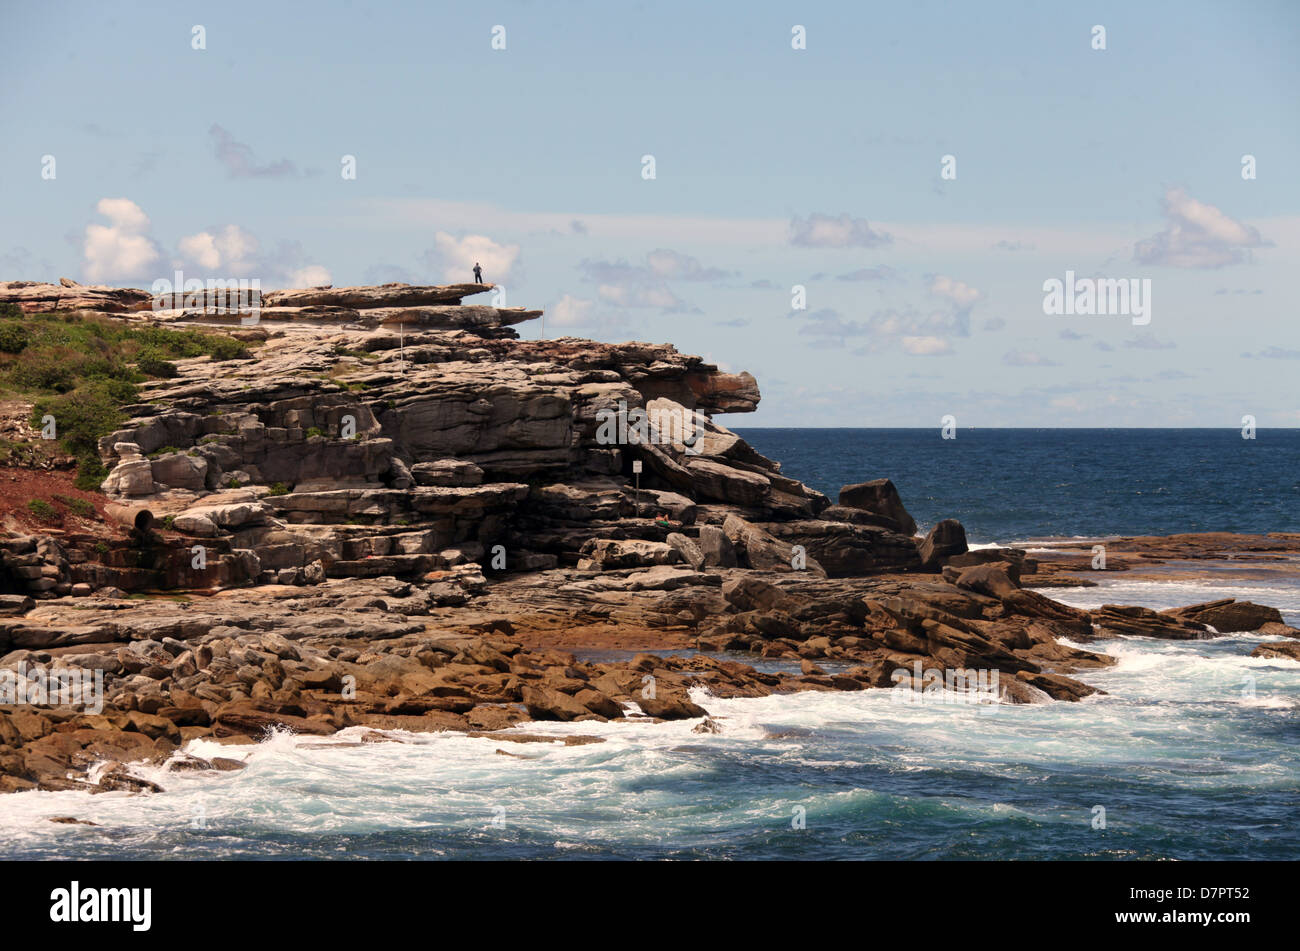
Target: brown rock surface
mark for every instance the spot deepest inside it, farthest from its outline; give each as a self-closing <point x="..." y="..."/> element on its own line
<point x="879" y="497"/>
<point x="409" y="521"/>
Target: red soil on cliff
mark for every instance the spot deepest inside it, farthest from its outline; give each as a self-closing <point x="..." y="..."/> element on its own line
<point x="60" y="505"/>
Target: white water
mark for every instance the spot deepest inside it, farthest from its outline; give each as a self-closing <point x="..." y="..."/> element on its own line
<point x="1193" y="751"/>
<point x="1160" y="595"/>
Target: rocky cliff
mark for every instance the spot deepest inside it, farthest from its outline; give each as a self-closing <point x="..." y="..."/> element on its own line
<point x="394" y="513"/>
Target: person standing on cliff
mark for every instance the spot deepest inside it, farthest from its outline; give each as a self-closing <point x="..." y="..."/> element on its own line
<point x="478" y="273"/>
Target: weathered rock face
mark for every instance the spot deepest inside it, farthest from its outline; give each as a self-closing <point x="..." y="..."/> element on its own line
<point x="687" y="550"/>
<point x="1228" y="615"/>
<point x="848" y="550"/>
<point x="879" y="497"/>
<point x="33" y="567"/>
<point x="716" y="547"/>
<point x="37" y="297"/>
<point x="373" y="296"/>
<point x="607" y="553"/>
<point x="946" y="539"/>
<point x="1289" y="650"/>
<point x="405" y="306"/>
<point x="1113" y="619"/>
<point x="406" y="446"/>
<point x="995" y="579"/>
<point x="756" y="548"/>
<point x="404" y="510"/>
<point x="354" y="401"/>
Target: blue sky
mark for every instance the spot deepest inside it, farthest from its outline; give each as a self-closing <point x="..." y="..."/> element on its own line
<point x="774" y="167"/>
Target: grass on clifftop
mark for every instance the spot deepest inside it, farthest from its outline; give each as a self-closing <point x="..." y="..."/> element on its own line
<point x="81" y="369"/>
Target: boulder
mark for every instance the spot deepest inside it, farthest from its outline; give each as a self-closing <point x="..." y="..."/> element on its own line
<point x="545" y="703"/>
<point x="249" y="718"/>
<point x="230" y="515"/>
<point x="599" y="704"/>
<point x="1015" y="557"/>
<point x="608" y="554"/>
<point x="947" y="538"/>
<point x="131" y="478"/>
<point x="686" y="548"/>
<point x="716" y="547"/>
<point x="747" y="593"/>
<point x="1286" y="649"/>
<point x="713" y="480"/>
<point x="1056" y="686"/>
<point x="760" y="549"/>
<point x="1228" y="615"/>
<point x="993" y="579"/>
<point x="677" y="507"/>
<point x="879" y="497"/>
<point x="848" y="550"/>
<point x="194" y="524"/>
<point x="179" y="470"/>
<point x="1113" y="619"/>
<point x="671" y="706"/>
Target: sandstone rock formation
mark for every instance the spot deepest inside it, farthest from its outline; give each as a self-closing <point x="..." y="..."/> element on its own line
<point x="390" y="512"/>
<point x="1227" y="615"/>
<point x="879" y="497"/>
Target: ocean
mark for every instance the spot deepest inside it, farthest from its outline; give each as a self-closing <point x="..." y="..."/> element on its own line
<point x="1192" y="753"/>
<point x="1012" y="484"/>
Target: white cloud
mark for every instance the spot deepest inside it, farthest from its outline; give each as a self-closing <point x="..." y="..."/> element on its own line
<point x="926" y="346"/>
<point x="844" y="231"/>
<point x="457" y="257"/>
<point x="666" y="263"/>
<point x="231" y="249"/>
<point x="963" y="295"/>
<point x="201" y="249"/>
<point x="915" y="240"/>
<point x="1072" y="403"/>
<point x="1196" y="235"/>
<point x="645" y="285"/>
<point x="313" y="275"/>
<point x="122" y="249"/>
<point x="570" y="311"/>
<point x="239" y="160"/>
<point x="239" y="249"/>
<point x="232" y="252"/>
<point x="639" y="295"/>
<point x="886" y="328"/>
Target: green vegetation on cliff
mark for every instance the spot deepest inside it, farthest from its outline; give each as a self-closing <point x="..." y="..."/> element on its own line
<point x="82" y="369"/>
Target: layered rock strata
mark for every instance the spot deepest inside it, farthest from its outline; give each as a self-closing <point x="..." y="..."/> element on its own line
<point x="392" y="525"/>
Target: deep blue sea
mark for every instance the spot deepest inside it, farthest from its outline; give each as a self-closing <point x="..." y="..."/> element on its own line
<point x="1012" y="484"/>
<point x="1193" y="752"/>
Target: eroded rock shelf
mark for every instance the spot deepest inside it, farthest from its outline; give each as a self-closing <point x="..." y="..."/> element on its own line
<point x="408" y="520"/>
